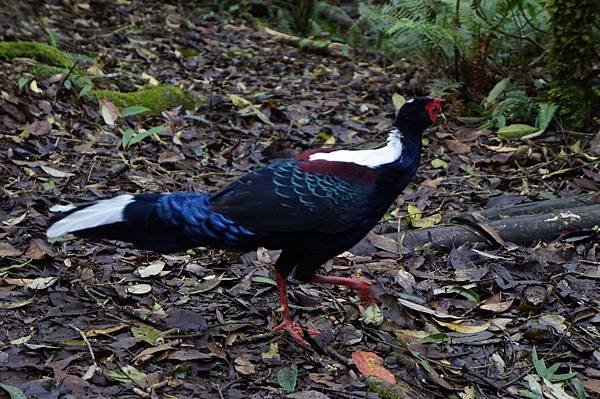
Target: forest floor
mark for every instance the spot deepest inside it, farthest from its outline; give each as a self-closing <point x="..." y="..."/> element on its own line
<point x="84" y="320"/>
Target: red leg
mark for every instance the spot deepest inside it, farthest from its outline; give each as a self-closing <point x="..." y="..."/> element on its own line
<point x="366" y="292"/>
<point x="294" y="329"/>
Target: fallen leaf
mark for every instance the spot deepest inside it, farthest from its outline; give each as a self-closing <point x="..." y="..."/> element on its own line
<point x="423" y="309"/>
<point x="272" y="353"/>
<point x="428" y="221"/>
<point x="464" y="327"/>
<point x="383" y="242"/>
<point x="287" y="378"/>
<point x="169" y="157"/>
<point x="34" y="87"/>
<point x="127" y="375"/>
<point x="264" y="280"/>
<point x="414" y="213"/>
<point x="138" y="289"/>
<point x="41" y="283"/>
<point x="411" y="335"/>
<point x="243" y="365"/>
<point x="191" y="354"/>
<point x="55" y="172"/>
<point x="109" y="112"/>
<point x="13" y="392"/>
<point x="398" y="100"/>
<point x="373" y="315"/>
<point x="15" y="304"/>
<point x="310" y="394"/>
<point x="557" y="322"/>
<point x="14" y="221"/>
<point x="439" y="163"/>
<point x="148" y="353"/>
<point x="369" y="364"/>
<point x="405" y="280"/>
<point x="38" y="249"/>
<point x="8" y="250"/>
<point x="203" y="286"/>
<point x="151" y="79"/>
<point x="19" y="341"/>
<point x="238" y="102"/>
<point x="147" y="333"/>
<point x="106" y="331"/>
<point x="457" y="147"/>
<point x="493" y="304"/>
<point x="186" y="319"/>
<point x="153" y="269"/>
<point x="516" y="131"/>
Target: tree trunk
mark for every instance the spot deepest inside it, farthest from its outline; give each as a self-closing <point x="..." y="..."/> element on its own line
<point x="571" y="56"/>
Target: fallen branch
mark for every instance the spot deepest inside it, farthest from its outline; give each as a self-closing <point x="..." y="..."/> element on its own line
<point x="522" y="230"/>
<point x="538" y="207"/>
<point x="323" y="47"/>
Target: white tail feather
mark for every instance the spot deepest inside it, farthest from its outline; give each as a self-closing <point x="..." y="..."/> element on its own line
<point x="101" y="213"/>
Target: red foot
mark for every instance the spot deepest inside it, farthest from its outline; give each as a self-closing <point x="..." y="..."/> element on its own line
<point x="294" y="329"/>
<point x="297" y="332"/>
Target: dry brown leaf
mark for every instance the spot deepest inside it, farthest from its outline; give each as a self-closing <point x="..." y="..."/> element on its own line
<point x="244" y="366"/>
<point x="148" y="353"/>
<point x="423" y="309"/>
<point x="464" y="327"/>
<point x="55" y="172"/>
<point x="368" y="363"/>
<point x="383" y="242"/>
<point x="457" y="147"/>
<point x="8" y="250"/>
<point x="15" y="221"/>
<point x="191" y="354"/>
<point x="107" y="330"/>
<point x="109" y="112"/>
<point x="38" y="249"/>
<point x="494" y="304"/>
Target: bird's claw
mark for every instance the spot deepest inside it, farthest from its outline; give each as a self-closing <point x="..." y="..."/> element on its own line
<point x="297" y="331"/>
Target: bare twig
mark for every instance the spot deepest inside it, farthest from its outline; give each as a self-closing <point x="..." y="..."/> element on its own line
<point x="94" y="366"/>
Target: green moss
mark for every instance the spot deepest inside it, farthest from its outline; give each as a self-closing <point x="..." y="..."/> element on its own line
<point x="38" y="51"/>
<point x="155" y="98"/>
<point x="571" y="56"/>
<point x="386" y="390"/>
<point x="189" y="52"/>
<point x="45" y="71"/>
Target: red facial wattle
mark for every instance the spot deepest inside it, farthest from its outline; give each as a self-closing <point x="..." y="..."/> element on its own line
<point x="434" y="110"/>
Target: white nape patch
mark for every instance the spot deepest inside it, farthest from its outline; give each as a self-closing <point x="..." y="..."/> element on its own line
<point x="101" y="213"/>
<point x="62" y="208"/>
<point x="370" y="158"/>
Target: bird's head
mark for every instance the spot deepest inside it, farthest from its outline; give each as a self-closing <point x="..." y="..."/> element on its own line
<point x="418" y="114"/>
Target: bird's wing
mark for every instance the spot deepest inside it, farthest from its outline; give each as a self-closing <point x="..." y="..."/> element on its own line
<point x="283" y="197"/>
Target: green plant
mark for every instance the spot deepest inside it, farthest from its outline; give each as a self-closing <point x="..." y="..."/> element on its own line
<point x="504" y="104"/>
<point x="465" y="41"/>
<point x="548" y="378"/>
<point x="514" y="106"/>
<point x="131" y="137"/>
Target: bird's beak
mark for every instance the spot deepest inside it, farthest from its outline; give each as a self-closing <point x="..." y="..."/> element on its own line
<point x="441" y="117"/>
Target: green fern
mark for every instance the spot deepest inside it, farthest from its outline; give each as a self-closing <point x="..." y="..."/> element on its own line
<point x="448" y="36"/>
